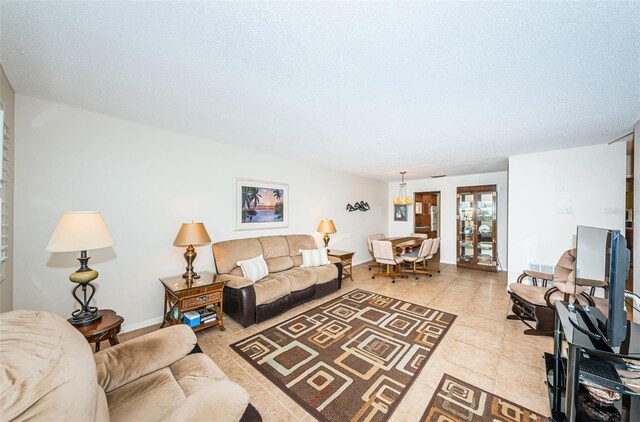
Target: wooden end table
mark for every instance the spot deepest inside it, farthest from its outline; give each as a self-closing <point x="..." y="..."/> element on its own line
<point x="105" y="329"/>
<point x="347" y="260"/>
<point x="181" y="296"/>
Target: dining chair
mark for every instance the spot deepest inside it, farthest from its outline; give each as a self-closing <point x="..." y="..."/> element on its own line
<point x="434" y="250"/>
<point x="370" y="238"/>
<point x="415" y="258"/>
<point x="384" y="254"/>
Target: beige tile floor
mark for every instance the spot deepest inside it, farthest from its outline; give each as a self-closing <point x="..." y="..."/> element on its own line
<point x="482" y="347"/>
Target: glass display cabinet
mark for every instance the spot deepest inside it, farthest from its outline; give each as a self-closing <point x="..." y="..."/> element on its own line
<point x="477" y="227"/>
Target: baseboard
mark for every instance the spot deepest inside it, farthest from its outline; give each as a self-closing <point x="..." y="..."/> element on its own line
<point x="141" y="324"/>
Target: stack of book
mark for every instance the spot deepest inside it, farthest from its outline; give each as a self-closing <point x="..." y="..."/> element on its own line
<point x="207" y="315"/>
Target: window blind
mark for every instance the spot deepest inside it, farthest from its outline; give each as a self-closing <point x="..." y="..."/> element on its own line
<point x="5" y="174"/>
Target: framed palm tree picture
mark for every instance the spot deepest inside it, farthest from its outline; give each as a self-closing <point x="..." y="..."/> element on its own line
<point x="261" y="204"/>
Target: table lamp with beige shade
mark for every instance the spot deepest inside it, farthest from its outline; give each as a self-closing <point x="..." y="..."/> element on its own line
<point x="81" y="231"/>
<point x="190" y="235"/>
<point x="327" y="227"/>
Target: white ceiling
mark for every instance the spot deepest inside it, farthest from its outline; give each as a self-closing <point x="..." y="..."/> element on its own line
<point x="368" y="88"/>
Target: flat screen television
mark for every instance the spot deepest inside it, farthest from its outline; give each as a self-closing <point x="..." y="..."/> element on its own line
<point x="602" y="255"/>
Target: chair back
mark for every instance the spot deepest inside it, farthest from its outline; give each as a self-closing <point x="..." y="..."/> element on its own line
<point x="371" y="238"/>
<point x="383" y="252"/>
<point x="425" y="248"/>
<point x="434" y="247"/>
<point x="565" y="266"/>
<point x="419" y="235"/>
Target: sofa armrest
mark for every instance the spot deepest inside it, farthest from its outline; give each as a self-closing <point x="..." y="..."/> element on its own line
<point x="126" y="362"/>
<point x="223" y="401"/>
<point x="237" y="282"/>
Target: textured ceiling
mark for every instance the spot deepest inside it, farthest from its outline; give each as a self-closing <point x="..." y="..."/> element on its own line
<point x="368" y="88"/>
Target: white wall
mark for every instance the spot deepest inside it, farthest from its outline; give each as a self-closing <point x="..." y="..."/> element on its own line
<point x="146" y="182"/>
<point x="447" y="186"/>
<point x="588" y="182"/>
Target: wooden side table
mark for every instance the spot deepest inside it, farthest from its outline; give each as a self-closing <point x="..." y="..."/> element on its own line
<point x="105" y="329"/>
<point x="347" y="260"/>
<point x="180" y="297"/>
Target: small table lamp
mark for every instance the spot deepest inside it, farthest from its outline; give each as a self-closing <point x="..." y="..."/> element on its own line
<point x="327" y="227"/>
<point x="190" y="235"/>
<point x="79" y="232"/>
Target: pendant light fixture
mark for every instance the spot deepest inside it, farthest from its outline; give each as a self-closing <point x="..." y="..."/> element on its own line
<point x="402" y="198"/>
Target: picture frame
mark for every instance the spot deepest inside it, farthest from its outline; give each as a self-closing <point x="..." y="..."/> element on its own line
<point x="399" y="213"/>
<point x="261" y="204"/>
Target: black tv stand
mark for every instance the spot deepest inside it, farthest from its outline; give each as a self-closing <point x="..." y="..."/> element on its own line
<point x="584" y="341"/>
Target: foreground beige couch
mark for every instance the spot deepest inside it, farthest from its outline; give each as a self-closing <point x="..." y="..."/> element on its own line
<point x="287" y="284"/>
<point x="48" y="372"/>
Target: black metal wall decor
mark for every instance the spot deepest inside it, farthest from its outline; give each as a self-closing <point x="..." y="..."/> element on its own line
<point x="358" y="206"/>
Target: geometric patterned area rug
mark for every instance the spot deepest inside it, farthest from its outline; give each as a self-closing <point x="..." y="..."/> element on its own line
<point x="457" y="401"/>
<point x="352" y="358"/>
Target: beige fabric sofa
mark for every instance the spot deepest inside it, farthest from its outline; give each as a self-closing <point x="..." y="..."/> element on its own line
<point x="48" y="372"/>
<point x="287" y="284"/>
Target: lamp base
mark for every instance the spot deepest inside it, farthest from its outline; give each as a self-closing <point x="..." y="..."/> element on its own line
<point x="326" y="240"/>
<point x="85" y="318"/>
<point x="87" y="314"/>
<point x="189" y="256"/>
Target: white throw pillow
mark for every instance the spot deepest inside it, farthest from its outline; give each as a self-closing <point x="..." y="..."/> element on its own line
<point x="314" y="257"/>
<point x="255" y="268"/>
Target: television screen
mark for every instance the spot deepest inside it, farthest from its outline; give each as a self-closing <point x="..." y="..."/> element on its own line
<point x="602" y="256"/>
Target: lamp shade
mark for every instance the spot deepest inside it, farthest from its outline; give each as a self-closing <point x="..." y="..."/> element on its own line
<point x="326" y="226"/>
<point x="193" y="234"/>
<point x="80" y="231"/>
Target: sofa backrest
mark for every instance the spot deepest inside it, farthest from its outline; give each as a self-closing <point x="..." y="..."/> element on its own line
<point x="280" y="252"/>
<point x="297" y="242"/>
<point x="276" y="253"/>
<point x="47" y="370"/>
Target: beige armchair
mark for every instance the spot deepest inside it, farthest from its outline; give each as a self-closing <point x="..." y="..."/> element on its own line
<point x="418" y="258"/>
<point x="434" y="250"/>
<point x="384" y="254"/>
<point x="371" y="238"/>
<point x="49" y="373"/>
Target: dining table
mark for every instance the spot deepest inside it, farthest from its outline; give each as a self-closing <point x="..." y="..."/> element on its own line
<point x="402" y="243"/>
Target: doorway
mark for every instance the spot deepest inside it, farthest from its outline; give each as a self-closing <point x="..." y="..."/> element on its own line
<point x="427" y="216"/>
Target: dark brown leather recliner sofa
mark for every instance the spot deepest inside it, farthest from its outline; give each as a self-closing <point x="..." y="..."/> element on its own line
<point x="287" y="284"/>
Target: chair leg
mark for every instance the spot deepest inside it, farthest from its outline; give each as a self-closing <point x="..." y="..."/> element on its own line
<point x="389" y="273"/>
<point x="415" y="270"/>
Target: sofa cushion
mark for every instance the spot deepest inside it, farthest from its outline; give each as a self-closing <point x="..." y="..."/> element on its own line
<point x="272" y="287"/>
<point x="45" y="361"/>
<point x="227" y="253"/>
<point x="302" y="278"/>
<point x="274" y="246"/>
<point x="150" y="398"/>
<point x="297" y="242"/>
<point x="254" y="269"/>
<point x="193" y="369"/>
<point x="326" y="273"/>
<point x="276" y="253"/>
